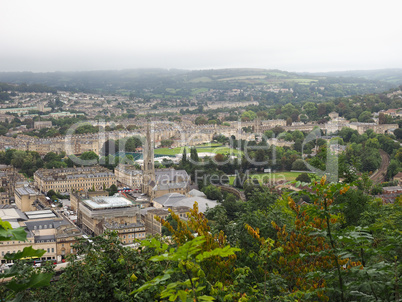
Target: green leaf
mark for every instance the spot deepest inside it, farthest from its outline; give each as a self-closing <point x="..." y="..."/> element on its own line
<point x="157" y="280"/>
<point x="206" y="298"/>
<point x="26" y="252"/>
<point x="18" y="234"/>
<point x="35" y="281"/>
<point x="182" y="294"/>
<point x="5" y="224"/>
<point x="221" y="252"/>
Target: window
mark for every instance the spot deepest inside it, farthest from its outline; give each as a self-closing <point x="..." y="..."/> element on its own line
<point x="48" y="250"/>
<point x="52" y="249"/>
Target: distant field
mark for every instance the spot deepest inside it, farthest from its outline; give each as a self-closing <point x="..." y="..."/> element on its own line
<point x="198" y="90"/>
<point x="172" y="90"/>
<point x="209" y="148"/>
<point x="243" y="78"/>
<point x="277" y="74"/>
<point x="200" y="79"/>
<point x="272" y="177"/>
<point x="300" y="81"/>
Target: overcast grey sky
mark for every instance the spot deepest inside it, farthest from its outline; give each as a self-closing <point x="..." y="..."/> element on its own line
<point x="289" y="35"/>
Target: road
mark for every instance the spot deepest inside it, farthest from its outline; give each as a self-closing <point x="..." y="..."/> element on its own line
<point x="379" y="175"/>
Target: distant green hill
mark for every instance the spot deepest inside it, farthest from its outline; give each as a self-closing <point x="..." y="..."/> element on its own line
<point x="393" y="76"/>
<point x="176" y="83"/>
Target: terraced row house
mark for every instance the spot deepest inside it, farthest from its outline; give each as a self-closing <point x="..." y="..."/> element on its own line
<point x="74" y="179"/>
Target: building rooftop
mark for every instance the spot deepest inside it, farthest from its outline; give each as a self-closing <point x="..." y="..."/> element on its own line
<point x="40" y="214"/>
<point x="45" y="224"/>
<point x="195" y="192"/>
<point x="171" y="198"/>
<point x="178" y="200"/>
<point x="25" y="191"/>
<point x="12" y="213"/>
<point x="103" y="202"/>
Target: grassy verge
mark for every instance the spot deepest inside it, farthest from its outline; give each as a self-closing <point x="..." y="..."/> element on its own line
<point x="272" y="177"/>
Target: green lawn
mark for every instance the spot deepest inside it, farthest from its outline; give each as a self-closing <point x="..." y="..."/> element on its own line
<point x="208" y="148"/>
<point x="272" y="177"/>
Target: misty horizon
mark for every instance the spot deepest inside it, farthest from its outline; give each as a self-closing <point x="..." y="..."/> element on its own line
<point x="44" y="36"/>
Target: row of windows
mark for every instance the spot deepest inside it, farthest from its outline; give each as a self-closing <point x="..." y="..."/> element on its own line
<point x="136" y="235"/>
<point x="45" y="226"/>
<point x="14" y="242"/>
<point x="43" y="258"/>
<point x="128" y="241"/>
<point x="134" y="230"/>
<point x="42" y="241"/>
<point x="80" y="181"/>
<point x="67" y="244"/>
<point x="13" y="252"/>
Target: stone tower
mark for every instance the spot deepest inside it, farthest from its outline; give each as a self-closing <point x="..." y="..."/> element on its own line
<point x="148" y="167"/>
<point x="41" y="107"/>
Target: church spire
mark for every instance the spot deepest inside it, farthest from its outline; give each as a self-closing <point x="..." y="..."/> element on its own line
<point x="149" y="152"/>
<point x="149" y="167"/>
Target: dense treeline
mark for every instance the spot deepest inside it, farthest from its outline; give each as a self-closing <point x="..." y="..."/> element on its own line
<point x="23" y="87"/>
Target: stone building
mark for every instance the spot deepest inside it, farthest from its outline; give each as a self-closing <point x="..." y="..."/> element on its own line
<point x="129" y="176"/>
<point x="42" y="124"/>
<point x="66" y="236"/>
<point x="76" y="197"/>
<point x="159" y="182"/>
<point x="27" y="198"/>
<point x="9" y="177"/>
<point x="115" y="213"/>
<point x="45" y="230"/>
<point x="78" y="179"/>
<point x="153" y="226"/>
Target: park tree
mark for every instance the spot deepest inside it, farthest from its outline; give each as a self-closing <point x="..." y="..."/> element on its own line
<point x="194" y="155"/>
<point x="89" y="155"/>
<point x="112" y="190"/>
<point x="382" y="119"/>
<point x="167" y="143"/>
<point x="248" y="115"/>
<point x="303" y="177"/>
<point x="201" y="120"/>
<point x="213" y="192"/>
<point x="365" y="117"/>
